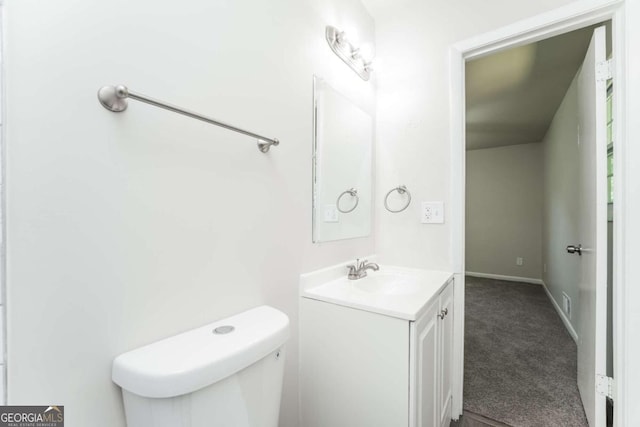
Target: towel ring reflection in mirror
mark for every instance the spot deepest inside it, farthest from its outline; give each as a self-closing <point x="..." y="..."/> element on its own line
<point x="402" y="189"/>
<point x="354" y="193"/>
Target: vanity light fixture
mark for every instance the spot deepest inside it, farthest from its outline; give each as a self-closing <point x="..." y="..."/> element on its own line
<point x="349" y="53"/>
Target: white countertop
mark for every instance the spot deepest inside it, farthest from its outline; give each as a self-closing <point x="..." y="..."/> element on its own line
<point x="393" y="291"/>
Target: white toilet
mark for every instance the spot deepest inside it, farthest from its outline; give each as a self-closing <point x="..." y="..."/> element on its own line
<point x="226" y="374"/>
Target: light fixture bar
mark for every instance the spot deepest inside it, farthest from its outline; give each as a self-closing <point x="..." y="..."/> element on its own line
<point x="347" y="52"/>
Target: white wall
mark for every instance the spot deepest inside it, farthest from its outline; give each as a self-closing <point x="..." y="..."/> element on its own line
<point x="504" y="210"/>
<point x="127" y="228"/>
<point x="413" y="42"/>
<point x="560" y="148"/>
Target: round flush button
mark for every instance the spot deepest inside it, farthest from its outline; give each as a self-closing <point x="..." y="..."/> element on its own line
<point x="221" y="330"/>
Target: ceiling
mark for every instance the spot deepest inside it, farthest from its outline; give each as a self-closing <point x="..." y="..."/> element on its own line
<point x="512" y="96"/>
<point x="379" y="8"/>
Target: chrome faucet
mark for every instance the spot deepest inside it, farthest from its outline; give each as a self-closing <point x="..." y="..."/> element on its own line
<point x="359" y="270"/>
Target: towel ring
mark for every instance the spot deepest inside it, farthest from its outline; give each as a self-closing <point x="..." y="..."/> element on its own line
<point x="354" y="193"/>
<point x="401" y="189"/>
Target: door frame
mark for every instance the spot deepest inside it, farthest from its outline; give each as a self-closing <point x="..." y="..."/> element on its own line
<point x="567" y="18"/>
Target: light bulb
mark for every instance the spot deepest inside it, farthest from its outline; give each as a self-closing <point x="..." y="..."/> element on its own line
<point x="353" y="35"/>
<point x="366" y="52"/>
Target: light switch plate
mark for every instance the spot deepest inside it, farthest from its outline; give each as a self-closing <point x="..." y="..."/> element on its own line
<point x="331" y="213"/>
<point x="432" y="213"/>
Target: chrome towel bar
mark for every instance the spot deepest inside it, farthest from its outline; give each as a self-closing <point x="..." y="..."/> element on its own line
<point x="114" y="98"/>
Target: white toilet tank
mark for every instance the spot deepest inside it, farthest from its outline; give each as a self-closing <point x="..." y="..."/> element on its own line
<point x="225" y="374"/>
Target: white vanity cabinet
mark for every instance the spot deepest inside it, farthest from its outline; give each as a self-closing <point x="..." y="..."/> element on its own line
<point x="430" y="363"/>
<point x="361" y="368"/>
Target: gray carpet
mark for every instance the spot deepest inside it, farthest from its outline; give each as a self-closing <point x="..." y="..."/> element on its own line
<point x="520" y="362"/>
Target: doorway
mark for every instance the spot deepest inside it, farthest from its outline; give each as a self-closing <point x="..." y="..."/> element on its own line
<point x="539" y="28"/>
<point x="524" y="112"/>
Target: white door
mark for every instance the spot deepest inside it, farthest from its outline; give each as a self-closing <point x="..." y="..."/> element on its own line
<point x="592" y="229"/>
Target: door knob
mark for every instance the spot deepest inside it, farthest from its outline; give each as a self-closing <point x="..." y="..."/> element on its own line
<point x="574" y="249"/>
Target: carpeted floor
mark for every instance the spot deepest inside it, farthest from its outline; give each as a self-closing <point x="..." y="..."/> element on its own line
<point x="520" y="362"/>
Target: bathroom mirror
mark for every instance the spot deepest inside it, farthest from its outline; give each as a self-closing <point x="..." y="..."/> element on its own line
<point x="342" y="147"/>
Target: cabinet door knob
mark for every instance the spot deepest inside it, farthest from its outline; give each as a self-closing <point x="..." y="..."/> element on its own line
<point x="443" y="313"/>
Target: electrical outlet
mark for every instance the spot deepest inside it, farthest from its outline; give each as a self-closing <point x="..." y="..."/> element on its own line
<point x="432" y="213"/>
<point x="331" y="213"/>
<point x="519" y="261"/>
<point x="544" y="267"/>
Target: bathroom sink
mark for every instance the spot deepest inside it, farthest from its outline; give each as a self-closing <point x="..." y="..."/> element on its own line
<point x="388" y="283"/>
<point x="393" y="291"/>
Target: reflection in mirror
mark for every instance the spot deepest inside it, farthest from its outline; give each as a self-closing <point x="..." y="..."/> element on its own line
<point x="342" y="145"/>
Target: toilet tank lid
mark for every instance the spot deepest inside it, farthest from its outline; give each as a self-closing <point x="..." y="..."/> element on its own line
<point x="197" y="358"/>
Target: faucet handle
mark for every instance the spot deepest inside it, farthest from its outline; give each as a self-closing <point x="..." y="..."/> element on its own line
<point x="353" y="272"/>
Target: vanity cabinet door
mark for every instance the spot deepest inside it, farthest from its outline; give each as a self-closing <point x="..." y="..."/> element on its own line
<point x="430" y="364"/>
<point x="423" y="394"/>
<point x="445" y="344"/>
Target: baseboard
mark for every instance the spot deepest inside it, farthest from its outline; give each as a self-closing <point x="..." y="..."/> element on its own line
<point x="482" y="420"/>
<point x="563" y="316"/>
<point x="507" y="278"/>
